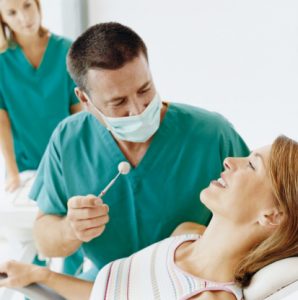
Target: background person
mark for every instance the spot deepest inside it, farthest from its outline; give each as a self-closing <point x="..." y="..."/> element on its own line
<point x="36" y="91"/>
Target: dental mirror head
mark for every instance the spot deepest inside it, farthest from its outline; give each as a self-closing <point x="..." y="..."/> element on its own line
<point x="124" y="167"/>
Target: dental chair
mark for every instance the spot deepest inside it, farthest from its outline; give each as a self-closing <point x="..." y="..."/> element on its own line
<point x="17" y="215"/>
<point x="277" y="281"/>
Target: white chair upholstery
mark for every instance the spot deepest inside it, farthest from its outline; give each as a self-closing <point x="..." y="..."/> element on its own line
<point x="275" y="281"/>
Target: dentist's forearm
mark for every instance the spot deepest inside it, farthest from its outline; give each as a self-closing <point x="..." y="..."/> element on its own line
<point x="52" y="235"/>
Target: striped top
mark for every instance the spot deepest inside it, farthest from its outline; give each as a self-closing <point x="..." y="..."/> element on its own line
<point x="151" y="274"/>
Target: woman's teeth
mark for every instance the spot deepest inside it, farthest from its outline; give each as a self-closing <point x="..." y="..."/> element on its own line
<point x="221" y="182"/>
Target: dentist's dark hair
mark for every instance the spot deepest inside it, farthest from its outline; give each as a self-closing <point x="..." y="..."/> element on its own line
<point x="103" y="46"/>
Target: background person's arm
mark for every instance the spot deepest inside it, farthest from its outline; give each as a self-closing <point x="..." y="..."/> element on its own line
<point x="21" y="275"/>
<point x="7" y="149"/>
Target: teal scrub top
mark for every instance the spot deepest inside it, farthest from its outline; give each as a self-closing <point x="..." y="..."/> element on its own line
<point x="146" y="205"/>
<point x="36" y="99"/>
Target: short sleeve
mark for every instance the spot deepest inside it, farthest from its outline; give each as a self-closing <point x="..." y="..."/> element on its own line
<point x="49" y="187"/>
<point x="2" y="103"/>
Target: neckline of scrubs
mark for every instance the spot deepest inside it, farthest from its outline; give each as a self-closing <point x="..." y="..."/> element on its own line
<point x="43" y="60"/>
<point x="158" y="143"/>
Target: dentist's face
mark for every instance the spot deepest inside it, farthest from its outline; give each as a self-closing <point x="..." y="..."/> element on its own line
<point x="243" y="190"/>
<point x="123" y="92"/>
<point x="21" y="16"/>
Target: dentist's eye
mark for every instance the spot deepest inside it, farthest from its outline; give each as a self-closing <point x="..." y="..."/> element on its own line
<point x="118" y="102"/>
<point x="144" y="91"/>
<point x="251" y="165"/>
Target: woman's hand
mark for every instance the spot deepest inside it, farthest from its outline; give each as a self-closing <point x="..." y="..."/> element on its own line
<point x="12" y="182"/>
<point x="20" y="274"/>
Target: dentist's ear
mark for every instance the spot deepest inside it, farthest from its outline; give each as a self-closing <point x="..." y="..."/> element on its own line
<point x="82" y="97"/>
<point x="271" y="218"/>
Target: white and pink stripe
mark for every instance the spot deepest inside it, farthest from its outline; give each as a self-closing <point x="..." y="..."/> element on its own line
<point x="151" y="274"/>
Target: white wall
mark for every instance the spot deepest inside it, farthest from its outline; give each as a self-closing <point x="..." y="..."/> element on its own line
<point x="64" y="17"/>
<point x="233" y="56"/>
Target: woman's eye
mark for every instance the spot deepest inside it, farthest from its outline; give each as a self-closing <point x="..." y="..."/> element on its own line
<point x="251" y="165"/>
<point x="27" y="5"/>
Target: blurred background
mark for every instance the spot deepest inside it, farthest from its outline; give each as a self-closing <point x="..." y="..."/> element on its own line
<point x="237" y="57"/>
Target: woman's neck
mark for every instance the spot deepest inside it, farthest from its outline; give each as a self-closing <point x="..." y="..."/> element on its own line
<point x="34" y="47"/>
<point x="31" y="42"/>
<point x="218" y="252"/>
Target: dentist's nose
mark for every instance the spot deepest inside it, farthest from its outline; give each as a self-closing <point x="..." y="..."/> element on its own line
<point x="136" y="108"/>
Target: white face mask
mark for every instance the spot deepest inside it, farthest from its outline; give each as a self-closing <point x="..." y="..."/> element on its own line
<point x="139" y="128"/>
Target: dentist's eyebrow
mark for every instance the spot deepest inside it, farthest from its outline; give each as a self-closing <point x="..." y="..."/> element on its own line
<point x="145" y="85"/>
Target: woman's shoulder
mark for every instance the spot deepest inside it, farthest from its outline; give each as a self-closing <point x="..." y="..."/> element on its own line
<point x="61" y="40"/>
<point x="189" y="228"/>
<point x="10" y="51"/>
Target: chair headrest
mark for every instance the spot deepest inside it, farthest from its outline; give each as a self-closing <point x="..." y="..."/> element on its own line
<point x="272" y="278"/>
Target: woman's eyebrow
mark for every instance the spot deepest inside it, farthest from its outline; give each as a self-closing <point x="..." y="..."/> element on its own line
<point x="256" y="154"/>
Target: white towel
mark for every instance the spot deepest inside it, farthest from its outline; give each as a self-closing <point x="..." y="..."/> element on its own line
<point x="19" y="197"/>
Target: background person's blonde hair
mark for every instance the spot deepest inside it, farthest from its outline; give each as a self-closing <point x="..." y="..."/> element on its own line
<point x="283" y="243"/>
<point x="6" y="35"/>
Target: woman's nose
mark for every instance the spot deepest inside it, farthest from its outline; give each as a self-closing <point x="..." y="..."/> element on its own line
<point x="24" y="17"/>
<point x="229" y="163"/>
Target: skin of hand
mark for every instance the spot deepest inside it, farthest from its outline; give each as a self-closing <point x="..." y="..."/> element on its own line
<point x="12" y="182"/>
<point x="87" y="217"/>
<point x="20" y="274"/>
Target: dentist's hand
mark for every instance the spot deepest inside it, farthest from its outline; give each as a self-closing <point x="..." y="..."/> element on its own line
<point x="87" y="217"/>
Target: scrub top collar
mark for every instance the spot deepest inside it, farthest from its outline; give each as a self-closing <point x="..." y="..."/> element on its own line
<point x="165" y="129"/>
<point x="27" y="64"/>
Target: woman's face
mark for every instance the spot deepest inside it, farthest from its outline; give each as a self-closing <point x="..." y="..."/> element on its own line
<point x="21" y="16"/>
<point x="243" y="191"/>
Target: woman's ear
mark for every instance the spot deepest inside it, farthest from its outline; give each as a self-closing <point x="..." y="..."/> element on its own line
<point x="271" y="218"/>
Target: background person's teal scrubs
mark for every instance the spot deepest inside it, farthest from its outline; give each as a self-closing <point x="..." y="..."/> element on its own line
<point x="36" y="100"/>
<point x="146" y="205"/>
